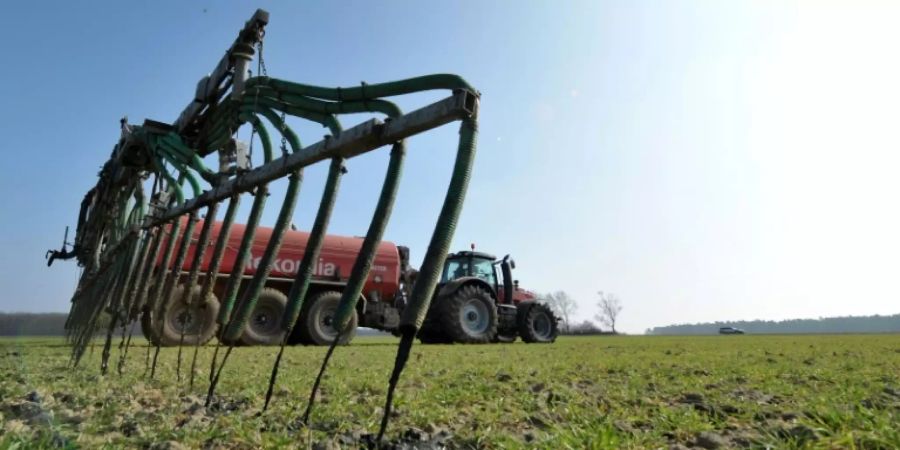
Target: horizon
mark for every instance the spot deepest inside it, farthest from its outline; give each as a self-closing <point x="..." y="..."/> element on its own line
<point x="728" y="160"/>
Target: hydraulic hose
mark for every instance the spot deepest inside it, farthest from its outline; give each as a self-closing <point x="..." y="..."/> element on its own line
<point x="212" y="273"/>
<point x="300" y="286"/>
<point x="314" y="245"/>
<point x="194" y="272"/>
<point x="237" y="272"/>
<point x="363" y="264"/>
<point x="172" y="280"/>
<point x="423" y="289"/>
<point x="366" y="91"/>
<point x="248" y="302"/>
<point x="234" y="328"/>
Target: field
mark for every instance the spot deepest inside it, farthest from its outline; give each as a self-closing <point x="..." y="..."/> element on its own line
<point x="582" y="392"/>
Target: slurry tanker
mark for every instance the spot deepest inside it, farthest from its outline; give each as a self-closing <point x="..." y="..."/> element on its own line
<point x="477" y="301"/>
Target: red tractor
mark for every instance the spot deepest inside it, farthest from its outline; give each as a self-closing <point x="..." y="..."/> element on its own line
<point x="477" y="301"/>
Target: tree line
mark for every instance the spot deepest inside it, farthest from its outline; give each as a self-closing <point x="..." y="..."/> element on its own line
<point x="564" y="306"/>
<point x="845" y="324"/>
<point x="32" y="324"/>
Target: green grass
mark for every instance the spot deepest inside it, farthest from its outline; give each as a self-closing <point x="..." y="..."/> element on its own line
<point x="582" y="392"/>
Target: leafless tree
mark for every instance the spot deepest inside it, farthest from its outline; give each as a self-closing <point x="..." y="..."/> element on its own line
<point x="610" y="307"/>
<point x="563" y="305"/>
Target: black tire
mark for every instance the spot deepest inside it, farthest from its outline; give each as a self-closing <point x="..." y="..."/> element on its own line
<point x="537" y="324"/>
<point x="432" y="335"/>
<point x="505" y="338"/>
<point x="264" y="326"/>
<point x="315" y="321"/>
<point x="297" y="336"/>
<point x="198" y="319"/>
<point x="469" y="315"/>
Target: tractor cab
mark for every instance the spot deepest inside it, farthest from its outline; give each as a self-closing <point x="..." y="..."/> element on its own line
<point x="497" y="274"/>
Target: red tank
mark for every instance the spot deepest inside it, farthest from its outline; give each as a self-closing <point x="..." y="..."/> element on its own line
<point x="334" y="264"/>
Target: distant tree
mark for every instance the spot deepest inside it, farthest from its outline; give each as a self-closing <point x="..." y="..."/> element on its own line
<point x="610" y="307"/>
<point x="563" y="305"/>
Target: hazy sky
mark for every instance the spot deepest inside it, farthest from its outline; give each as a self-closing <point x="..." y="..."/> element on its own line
<point x="702" y="160"/>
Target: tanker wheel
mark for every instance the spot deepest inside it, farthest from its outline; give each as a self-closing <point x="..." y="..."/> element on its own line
<point x="264" y="326"/>
<point x="316" y="326"/>
<point x="469" y="316"/>
<point x="197" y="321"/>
<point x="537" y="324"/>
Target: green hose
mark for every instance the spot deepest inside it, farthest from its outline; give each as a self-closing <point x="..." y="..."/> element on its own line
<point x="248" y="302"/>
<point x="251" y="295"/>
<point x="131" y="294"/>
<point x="199" y="253"/>
<point x="237" y="272"/>
<point x="366" y="91"/>
<point x="163" y="268"/>
<point x="162" y="271"/>
<point x="313" y="245"/>
<point x="172" y="280"/>
<point x="243" y="254"/>
<point x="221" y="244"/>
<point x="429" y="274"/>
<point x="363" y="264"/>
<point x="213" y="271"/>
<point x="172" y="277"/>
<point x="423" y="289"/>
<point x="143" y="285"/>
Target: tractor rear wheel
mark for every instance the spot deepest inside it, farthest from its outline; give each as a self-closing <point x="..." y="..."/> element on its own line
<point x="537" y="324"/>
<point x="469" y="315"/>
<point x="197" y="321"/>
<point x="316" y="325"/>
<point x="264" y="326"/>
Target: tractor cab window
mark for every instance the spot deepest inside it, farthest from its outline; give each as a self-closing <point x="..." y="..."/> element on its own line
<point x="455" y="268"/>
<point x="469" y="267"/>
<point x="484" y="269"/>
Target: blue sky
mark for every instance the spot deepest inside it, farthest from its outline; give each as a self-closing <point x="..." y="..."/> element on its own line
<point x="702" y="160"/>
